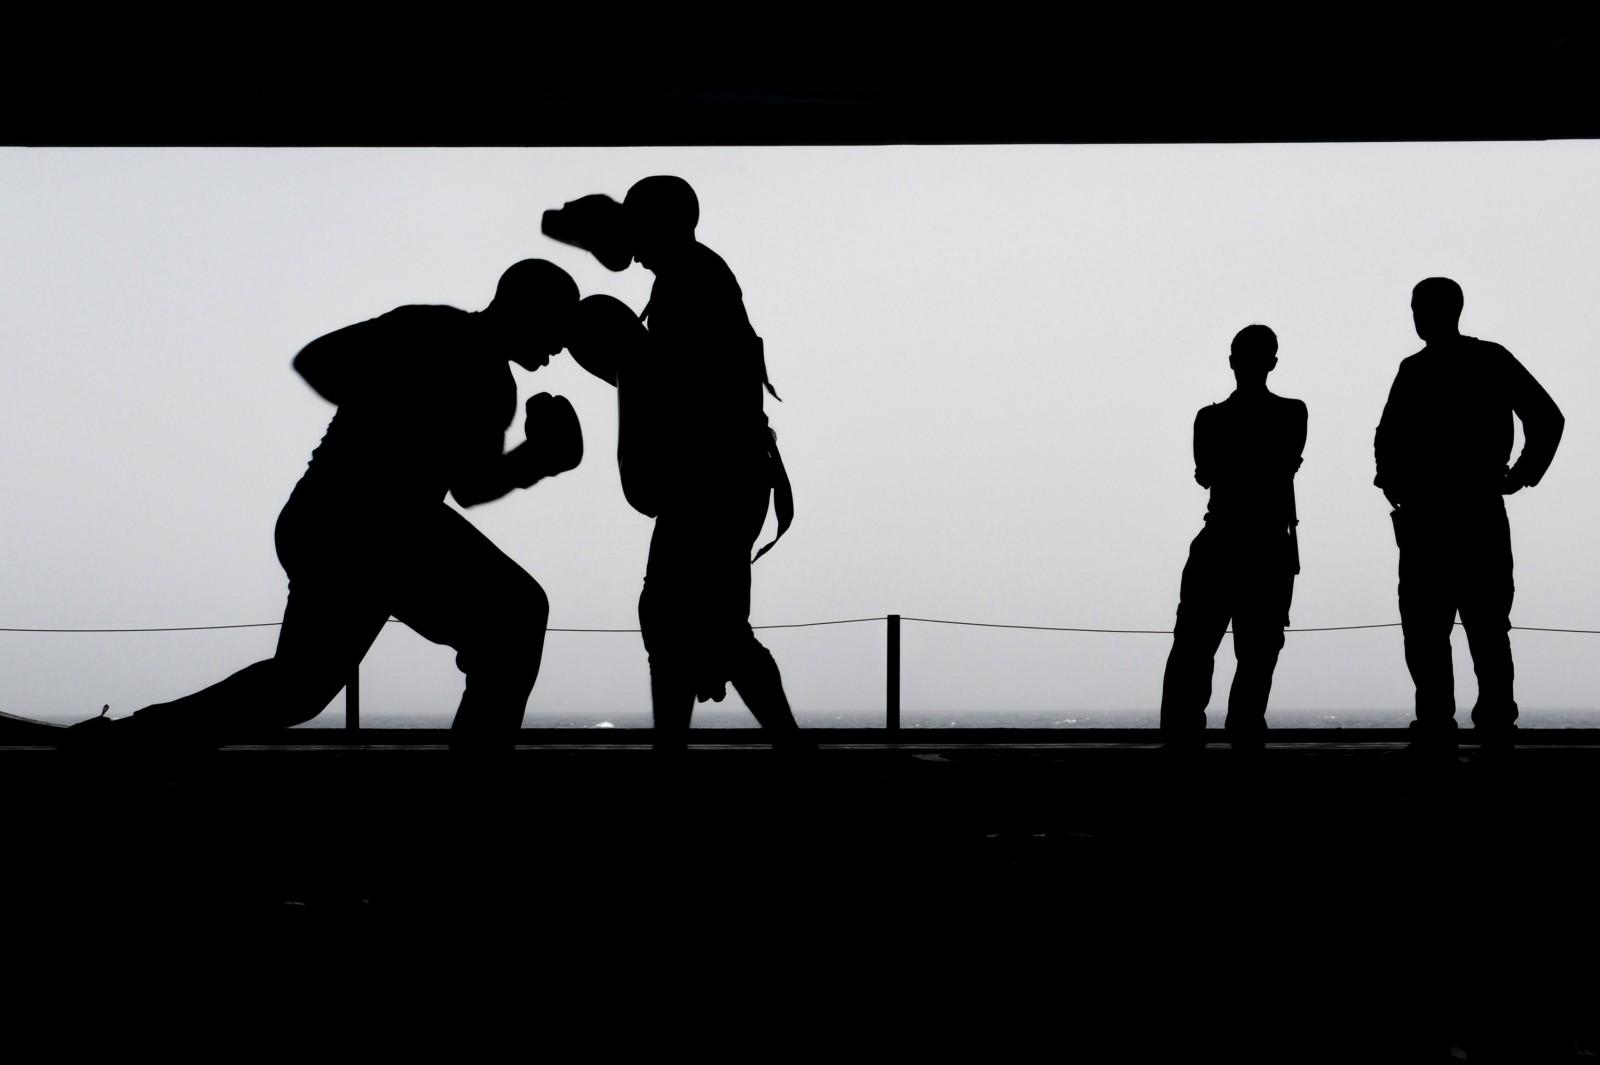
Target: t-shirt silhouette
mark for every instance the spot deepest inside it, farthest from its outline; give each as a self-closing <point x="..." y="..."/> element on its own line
<point x="1446" y="430"/>
<point x="1247" y="449"/>
<point x="710" y="373"/>
<point x="422" y="404"/>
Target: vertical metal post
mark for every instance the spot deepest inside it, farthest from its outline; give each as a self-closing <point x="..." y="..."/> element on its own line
<point x="352" y="699"/>
<point x="893" y="721"/>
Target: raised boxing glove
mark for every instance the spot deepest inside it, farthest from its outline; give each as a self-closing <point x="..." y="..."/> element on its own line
<point x="555" y="437"/>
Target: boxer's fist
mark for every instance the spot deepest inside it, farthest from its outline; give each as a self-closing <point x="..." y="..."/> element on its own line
<point x="555" y="439"/>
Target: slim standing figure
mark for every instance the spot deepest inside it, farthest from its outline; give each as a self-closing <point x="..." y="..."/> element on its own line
<point x="1442" y="449"/>
<point x="694" y="448"/>
<point x="1242" y="566"/>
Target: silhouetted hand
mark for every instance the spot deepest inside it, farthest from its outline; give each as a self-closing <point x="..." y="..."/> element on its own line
<point x="1512" y="483"/>
<point x="555" y="438"/>
<point x="714" y="690"/>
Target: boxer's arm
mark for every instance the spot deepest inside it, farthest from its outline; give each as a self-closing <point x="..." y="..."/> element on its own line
<point x="487" y="481"/>
<point x="554" y="445"/>
<point x="340" y="364"/>
<point x="1542" y="425"/>
<point x="1205" y="459"/>
<point x="1391" y="443"/>
<point x="1295" y="454"/>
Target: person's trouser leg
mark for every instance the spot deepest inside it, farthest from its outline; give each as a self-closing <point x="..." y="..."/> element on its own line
<point x="759" y="683"/>
<point x="277" y="692"/>
<point x="1256" y="649"/>
<point x="455" y="587"/>
<point x="330" y="620"/>
<point x="671" y="705"/>
<point x="752" y="670"/>
<point x="1427" y="615"/>
<point x="1260" y="615"/>
<point x="1487" y="589"/>
<point x="670" y="641"/>
<point x="1201" y="623"/>
<point x="694" y="615"/>
<point x="328" y="627"/>
<point x="665" y="633"/>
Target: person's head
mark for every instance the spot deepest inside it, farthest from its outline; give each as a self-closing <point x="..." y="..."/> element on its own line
<point x="1254" y="354"/>
<point x="661" y="214"/>
<point x="606" y="334"/>
<point x="1436" y="308"/>
<point x="532" y="311"/>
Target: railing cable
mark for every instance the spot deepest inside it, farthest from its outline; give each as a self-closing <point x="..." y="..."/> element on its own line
<point x="817" y="624"/>
<point x="275" y="624"/>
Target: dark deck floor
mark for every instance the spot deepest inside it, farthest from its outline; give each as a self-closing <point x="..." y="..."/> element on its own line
<point x="1332" y="893"/>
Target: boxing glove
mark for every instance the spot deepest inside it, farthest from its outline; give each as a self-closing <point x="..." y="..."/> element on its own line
<point x="555" y="438"/>
<point x="594" y="223"/>
<point x="607" y="338"/>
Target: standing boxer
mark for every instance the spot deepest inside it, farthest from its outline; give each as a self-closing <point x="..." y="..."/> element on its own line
<point x="695" y="449"/>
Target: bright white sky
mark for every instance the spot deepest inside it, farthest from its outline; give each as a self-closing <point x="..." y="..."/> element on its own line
<point x="990" y="359"/>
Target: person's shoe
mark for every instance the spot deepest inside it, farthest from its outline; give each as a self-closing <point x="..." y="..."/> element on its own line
<point x="95" y="733"/>
<point x="1248" y="751"/>
<point x="1495" y="742"/>
<point x="1248" y="738"/>
<point x="793" y="747"/>
<point x="1426" y="750"/>
<point x="1180" y="743"/>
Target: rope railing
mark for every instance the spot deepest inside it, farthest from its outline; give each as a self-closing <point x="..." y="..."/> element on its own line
<point x="1168" y="632"/>
<point x="832" y="621"/>
<point x="391" y="621"/>
<point x="892" y="632"/>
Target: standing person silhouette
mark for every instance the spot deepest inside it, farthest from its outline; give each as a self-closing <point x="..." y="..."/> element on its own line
<point x="425" y="396"/>
<point x="694" y="448"/>
<point x="1442" y="449"/>
<point x="1242" y="566"/>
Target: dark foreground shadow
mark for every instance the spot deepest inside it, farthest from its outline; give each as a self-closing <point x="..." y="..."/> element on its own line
<point x="1095" y="898"/>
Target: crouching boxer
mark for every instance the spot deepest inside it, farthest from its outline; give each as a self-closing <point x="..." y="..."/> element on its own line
<point x="424" y="396"/>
